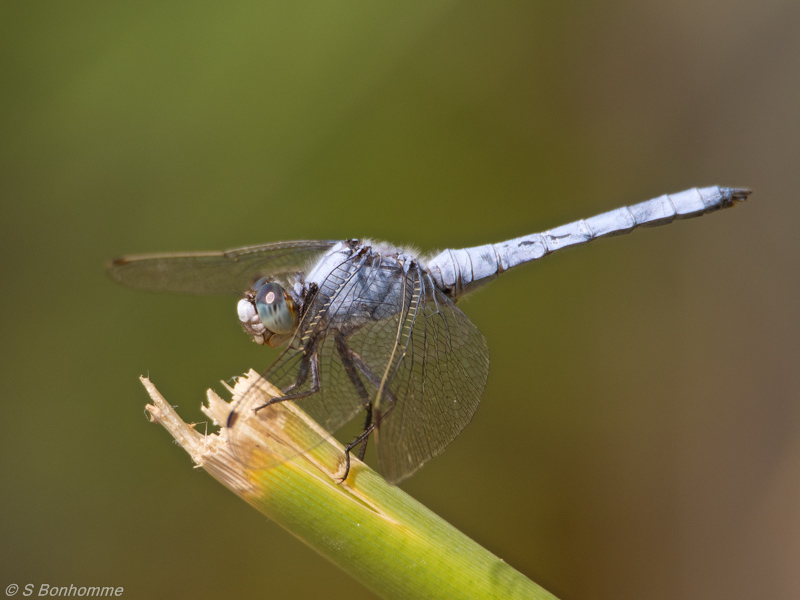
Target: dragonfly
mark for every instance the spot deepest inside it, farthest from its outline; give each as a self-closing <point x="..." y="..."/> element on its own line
<point x="369" y="327"/>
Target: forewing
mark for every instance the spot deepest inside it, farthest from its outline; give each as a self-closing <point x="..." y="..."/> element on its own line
<point x="434" y="385"/>
<point x="228" y="272"/>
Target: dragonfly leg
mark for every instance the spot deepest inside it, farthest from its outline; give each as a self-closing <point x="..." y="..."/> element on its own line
<point x="373" y="421"/>
<point x="353" y="365"/>
<point x="347" y="356"/>
<point x="308" y="366"/>
<point x="361" y="439"/>
<point x="374" y="380"/>
<point x="367" y="424"/>
<point x="365" y="370"/>
<point x="370" y="376"/>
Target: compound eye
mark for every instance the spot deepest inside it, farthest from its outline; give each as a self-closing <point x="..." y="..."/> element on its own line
<point x="276" y="309"/>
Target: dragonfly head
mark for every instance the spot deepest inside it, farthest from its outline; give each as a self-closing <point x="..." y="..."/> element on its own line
<point x="268" y="313"/>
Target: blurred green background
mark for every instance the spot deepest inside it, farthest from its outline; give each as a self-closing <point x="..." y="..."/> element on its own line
<point x="640" y="433"/>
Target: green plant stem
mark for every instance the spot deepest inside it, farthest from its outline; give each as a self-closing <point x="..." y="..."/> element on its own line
<point x="372" y="530"/>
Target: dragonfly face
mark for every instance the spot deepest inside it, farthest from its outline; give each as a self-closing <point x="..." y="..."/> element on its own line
<point x="268" y="313"/>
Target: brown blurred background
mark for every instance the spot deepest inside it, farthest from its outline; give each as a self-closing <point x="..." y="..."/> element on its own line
<point x="640" y="433"/>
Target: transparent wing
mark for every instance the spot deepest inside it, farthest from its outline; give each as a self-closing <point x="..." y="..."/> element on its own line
<point x="436" y="384"/>
<point x="231" y="271"/>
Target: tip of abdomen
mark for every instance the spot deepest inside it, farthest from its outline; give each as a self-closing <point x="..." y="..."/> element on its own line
<point x="738" y="194"/>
